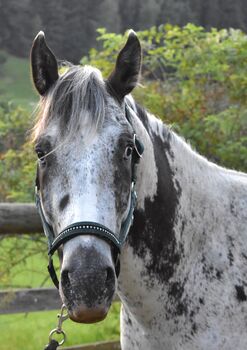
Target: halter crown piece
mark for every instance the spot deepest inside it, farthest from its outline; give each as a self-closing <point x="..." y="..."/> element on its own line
<point x="88" y="227"/>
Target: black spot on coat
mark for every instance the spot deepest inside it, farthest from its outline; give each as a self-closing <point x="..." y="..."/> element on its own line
<point x="64" y="201"/>
<point x="152" y="229"/>
<point x="241" y="296"/>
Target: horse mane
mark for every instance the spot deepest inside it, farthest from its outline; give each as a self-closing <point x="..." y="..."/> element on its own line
<point x="76" y="100"/>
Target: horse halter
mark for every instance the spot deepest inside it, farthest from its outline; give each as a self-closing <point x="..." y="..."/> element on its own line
<point x="88" y="227"/>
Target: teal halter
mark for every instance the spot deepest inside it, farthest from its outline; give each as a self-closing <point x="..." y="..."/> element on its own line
<point x="88" y="227"/>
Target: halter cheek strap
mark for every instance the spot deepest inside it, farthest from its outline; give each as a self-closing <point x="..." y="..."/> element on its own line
<point x="88" y="227"/>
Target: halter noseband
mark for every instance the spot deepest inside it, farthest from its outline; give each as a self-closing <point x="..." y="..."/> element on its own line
<point x="88" y="227"/>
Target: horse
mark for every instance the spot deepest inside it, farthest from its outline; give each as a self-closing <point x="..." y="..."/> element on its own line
<point x="180" y="268"/>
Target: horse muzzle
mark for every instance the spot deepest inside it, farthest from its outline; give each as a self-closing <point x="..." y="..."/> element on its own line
<point x="88" y="315"/>
<point x="88" y="279"/>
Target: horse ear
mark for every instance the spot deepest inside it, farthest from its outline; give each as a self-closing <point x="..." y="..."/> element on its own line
<point x="125" y="75"/>
<point x="44" y="65"/>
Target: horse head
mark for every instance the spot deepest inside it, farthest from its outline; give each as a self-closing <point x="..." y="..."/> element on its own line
<point x="87" y="150"/>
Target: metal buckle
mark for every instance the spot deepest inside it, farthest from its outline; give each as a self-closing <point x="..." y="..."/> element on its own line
<point x="58" y="330"/>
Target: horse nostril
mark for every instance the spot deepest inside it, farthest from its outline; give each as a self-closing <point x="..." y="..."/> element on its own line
<point x="65" y="278"/>
<point x="110" y="276"/>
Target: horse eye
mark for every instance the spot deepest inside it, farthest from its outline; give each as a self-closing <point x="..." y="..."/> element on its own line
<point x="41" y="156"/>
<point x="128" y="152"/>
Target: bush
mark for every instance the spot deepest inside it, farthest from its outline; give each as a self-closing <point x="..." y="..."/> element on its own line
<point x="194" y="80"/>
<point x="17" y="169"/>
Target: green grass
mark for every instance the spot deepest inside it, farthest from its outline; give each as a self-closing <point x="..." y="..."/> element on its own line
<point x="15" y="82"/>
<point x="30" y="331"/>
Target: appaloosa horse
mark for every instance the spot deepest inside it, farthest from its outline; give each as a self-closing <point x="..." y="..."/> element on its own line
<point x="183" y="267"/>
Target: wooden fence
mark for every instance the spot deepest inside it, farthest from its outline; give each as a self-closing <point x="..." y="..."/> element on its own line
<point x="23" y="218"/>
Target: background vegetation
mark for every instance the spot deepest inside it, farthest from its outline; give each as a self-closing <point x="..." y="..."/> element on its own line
<point x="192" y="79"/>
<point x="195" y="80"/>
<point x="71" y="25"/>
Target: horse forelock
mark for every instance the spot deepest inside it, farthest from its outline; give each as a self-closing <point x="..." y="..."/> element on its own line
<point x="77" y="100"/>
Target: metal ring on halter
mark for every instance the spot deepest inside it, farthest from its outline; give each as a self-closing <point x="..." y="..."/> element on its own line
<point x="57" y="331"/>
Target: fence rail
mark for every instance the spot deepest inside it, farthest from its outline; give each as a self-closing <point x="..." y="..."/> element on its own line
<point x="31" y="299"/>
<point x="19" y="218"/>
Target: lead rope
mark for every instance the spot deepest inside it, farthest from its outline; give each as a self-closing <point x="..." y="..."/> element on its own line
<point x="53" y="343"/>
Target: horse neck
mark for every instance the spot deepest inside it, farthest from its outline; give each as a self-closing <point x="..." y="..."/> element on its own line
<point x="180" y="188"/>
<point x="180" y="198"/>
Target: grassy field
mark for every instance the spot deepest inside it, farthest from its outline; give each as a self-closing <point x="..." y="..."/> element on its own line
<point x="30" y="331"/>
<point x="15" y="82"/>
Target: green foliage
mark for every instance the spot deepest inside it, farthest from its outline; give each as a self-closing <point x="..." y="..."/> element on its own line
<point x="17" y="167"/>
<point x="23" y="261"/>
<point x="17" y="171"/>
<point x="194" y="80"/>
